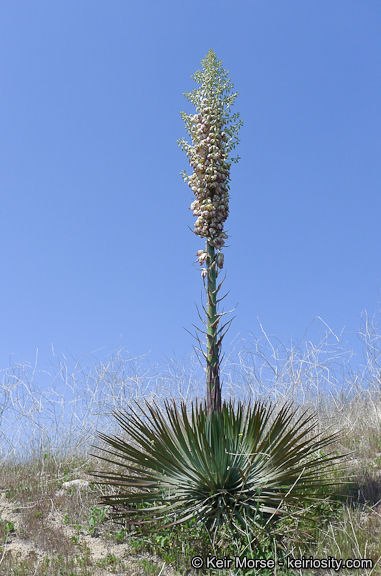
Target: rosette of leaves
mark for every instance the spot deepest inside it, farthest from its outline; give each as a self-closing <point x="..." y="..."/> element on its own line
<point x="226" y="467"/>
<point x="213" y="133"/>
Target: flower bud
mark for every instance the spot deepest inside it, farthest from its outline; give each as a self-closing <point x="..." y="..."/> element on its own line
<point x="220" y="260"/>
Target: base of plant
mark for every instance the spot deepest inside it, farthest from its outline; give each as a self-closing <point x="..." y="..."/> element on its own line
<point x="246" y="464"/>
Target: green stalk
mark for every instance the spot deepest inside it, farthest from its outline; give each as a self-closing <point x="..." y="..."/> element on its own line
<point x="213" y="369"/>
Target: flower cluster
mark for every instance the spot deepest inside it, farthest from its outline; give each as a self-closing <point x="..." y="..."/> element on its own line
<point x="208" y="157"/>
<point x="213" y="137"/>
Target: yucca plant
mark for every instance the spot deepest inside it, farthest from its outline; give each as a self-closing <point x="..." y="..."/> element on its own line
<point x="214" y="135"/>
<point x="217" y="462"/>
<point x="223" y="467"/>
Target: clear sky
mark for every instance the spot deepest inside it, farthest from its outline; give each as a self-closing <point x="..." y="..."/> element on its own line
<point x="96" y="251"/>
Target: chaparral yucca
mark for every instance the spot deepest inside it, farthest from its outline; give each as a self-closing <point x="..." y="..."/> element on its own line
<point x="217" y="462"/>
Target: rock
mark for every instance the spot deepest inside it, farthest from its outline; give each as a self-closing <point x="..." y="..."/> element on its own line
<point x="75" y="484"/>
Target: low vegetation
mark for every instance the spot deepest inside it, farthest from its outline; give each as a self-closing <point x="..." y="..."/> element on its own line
<point x="51" y="518"/>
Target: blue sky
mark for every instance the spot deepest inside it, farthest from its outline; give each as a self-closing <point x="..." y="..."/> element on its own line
<point x="96" y="251"/>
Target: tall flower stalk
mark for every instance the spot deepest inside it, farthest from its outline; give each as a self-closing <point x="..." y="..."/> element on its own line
<point x="213" y="133"/>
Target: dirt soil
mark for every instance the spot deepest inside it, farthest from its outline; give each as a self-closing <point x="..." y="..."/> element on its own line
<point x="20" y="546"/>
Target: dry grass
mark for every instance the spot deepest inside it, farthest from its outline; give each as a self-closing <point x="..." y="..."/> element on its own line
<point x="51" y="527"/>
